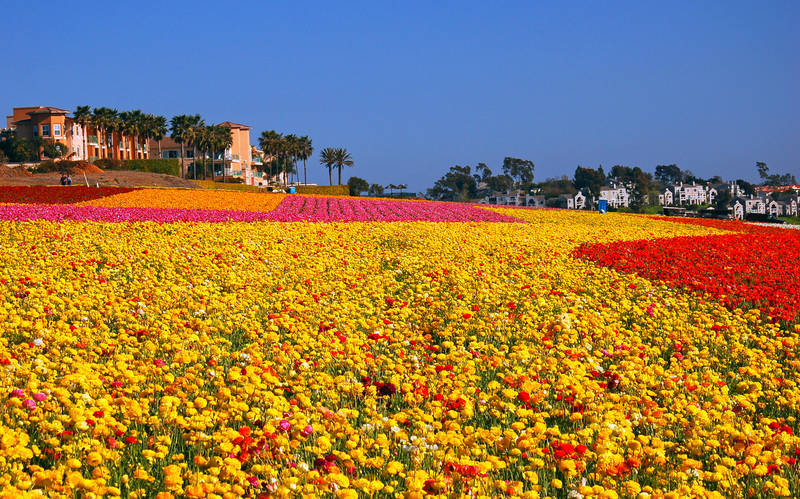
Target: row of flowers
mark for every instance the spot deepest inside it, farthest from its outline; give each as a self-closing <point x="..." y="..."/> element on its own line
<point x="56" y="195"/>
<point x="350" y="359"/>
<point x="145" y="206"/>
<point x="759" y="268"/>
<point x="191" y="199"/>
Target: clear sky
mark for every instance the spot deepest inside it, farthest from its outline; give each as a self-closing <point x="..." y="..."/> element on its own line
<point x="411" y="88"/>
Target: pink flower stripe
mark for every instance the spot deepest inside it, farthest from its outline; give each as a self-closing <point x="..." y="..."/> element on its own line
<point x="292" y="209"/>
<point x="314" y="209"/>
<point x="59" y="213"/>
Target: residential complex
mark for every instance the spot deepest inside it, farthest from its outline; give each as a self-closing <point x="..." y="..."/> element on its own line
<point x="53" y="124"/>
<point x="87" y="143"/>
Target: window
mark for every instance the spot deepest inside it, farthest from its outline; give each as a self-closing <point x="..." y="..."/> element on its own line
<point x="45" y="130"/>
<point x="57" y="130"/>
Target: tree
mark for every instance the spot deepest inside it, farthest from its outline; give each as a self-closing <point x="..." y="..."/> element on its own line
<point x="222" y="139"/>
<point x="270" y="143"/>
<point x="83" y="117"/>
<point x="520" y="170"/>
<point x="204" y="140"/>
<point x="158" y="129"/>
<point x="775" y="179"/>
<point x="457" y="184"/>
<point x="327" y="158"/>
<point x="54" y="150"/>
<point x="747" y="187"/>
<point x="104" y="120"/>
<point x="669" y="174"/>
<point x="723" y="199"/>
<point x="342" y="159"/>
<point x="357" y="185"/>
<point x="306" y="149"/>
<point x="590" y="179"/>
<point x="375" y="190"/>
<point x="291" y="143"/>
<point x="181" y="129"/>
<point x="3" y="158"/>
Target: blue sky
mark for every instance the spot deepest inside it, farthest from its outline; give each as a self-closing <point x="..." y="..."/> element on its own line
<point x="411" y="88"/>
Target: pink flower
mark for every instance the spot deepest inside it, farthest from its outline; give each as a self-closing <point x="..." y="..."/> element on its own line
<point x="159" y="363"/>
<point x="40" y="396"/>
<point x="308" y="430"/>
<point x="29" y="404"/>
<point x="285" y="425"/>
<point x="16" y="392"/>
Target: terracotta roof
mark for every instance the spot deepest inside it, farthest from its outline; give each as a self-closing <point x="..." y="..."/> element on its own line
<point x="48" y="110"/>
<point x="235" y="125"/>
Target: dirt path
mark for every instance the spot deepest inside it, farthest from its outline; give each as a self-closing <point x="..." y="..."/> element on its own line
<point x="110" y="178"/>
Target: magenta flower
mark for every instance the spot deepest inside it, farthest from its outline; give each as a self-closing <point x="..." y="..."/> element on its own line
<point x="40" y="396"/>
<point x="308" y="430"/>
<point x="16" y="392"/>
<point x="29" y="404"/>
<point x="285" y="425"/>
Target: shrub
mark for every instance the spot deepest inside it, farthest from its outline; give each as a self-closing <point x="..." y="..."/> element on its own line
<point x="166" y="166"/>
<point x="330" y="190"/>
<point x="228" y="186"/>
<point x="109" y="164"/>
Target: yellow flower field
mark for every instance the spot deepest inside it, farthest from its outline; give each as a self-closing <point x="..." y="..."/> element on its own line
<point x="379" y="360"/>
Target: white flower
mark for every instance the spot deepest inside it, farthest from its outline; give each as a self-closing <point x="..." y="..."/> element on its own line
<point x="38" y="342"/>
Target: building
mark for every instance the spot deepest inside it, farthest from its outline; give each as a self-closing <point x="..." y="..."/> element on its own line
<point x="692" y="194"/>
<point x="514" y="198"/>
<point x="617" y="196"/>
<point x="577" y="202"/>
<point x="666" y="198"/>
<point x="52" y="124"/>
<point x="238" y="159"/>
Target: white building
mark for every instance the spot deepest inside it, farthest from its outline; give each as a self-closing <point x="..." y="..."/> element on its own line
<point x="665" y="198"/>
<point x="616" y="196"/>
<point x="692" y="194"/>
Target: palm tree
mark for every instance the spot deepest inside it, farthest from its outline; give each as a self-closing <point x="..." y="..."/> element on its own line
<point x="306" y="150"/>
<point x="327" y="157"/>
<point x="196" y="124"/>
<point x="158" y="129"/>
<point x="270" y="143"/>
<point x="202" y="140"/>
<point x="83" y="116"/>
<point x="223" y="139"/>
<point x="114" y="126"/>
<point x="103" y="120"/>
<point x="181" y="126"/>
<point x="291" y="150"/>
<point x="342" y="158"/>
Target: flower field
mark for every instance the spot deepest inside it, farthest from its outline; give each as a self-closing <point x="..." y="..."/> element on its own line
<point x="390" y="350"/>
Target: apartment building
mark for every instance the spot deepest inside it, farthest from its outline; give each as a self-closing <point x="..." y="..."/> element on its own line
<point x="237" y="159"/>
<point x="52" y="124"/>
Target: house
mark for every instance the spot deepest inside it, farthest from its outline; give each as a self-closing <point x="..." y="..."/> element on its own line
<point x="577" y="202"/>
<point x="237" y="159"/>
<point x="772" y="207"/>
<point x="52" y="124"/>
<point x="666" y="198"/>
<point x="787" y="208"/>
<point x="692" y="194"/>
<point x="514" y="198"/>
<point x="616" y="196"/>
<point x="732" y="187"/>
<point x="755" y="205"/>
<point x="738" y="207"/>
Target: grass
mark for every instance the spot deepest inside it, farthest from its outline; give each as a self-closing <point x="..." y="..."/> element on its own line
<point x="791" y="220"/>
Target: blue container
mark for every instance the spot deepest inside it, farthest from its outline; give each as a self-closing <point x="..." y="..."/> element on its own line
<point x="292" y="190"/>
<point x="602" y="205"/>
